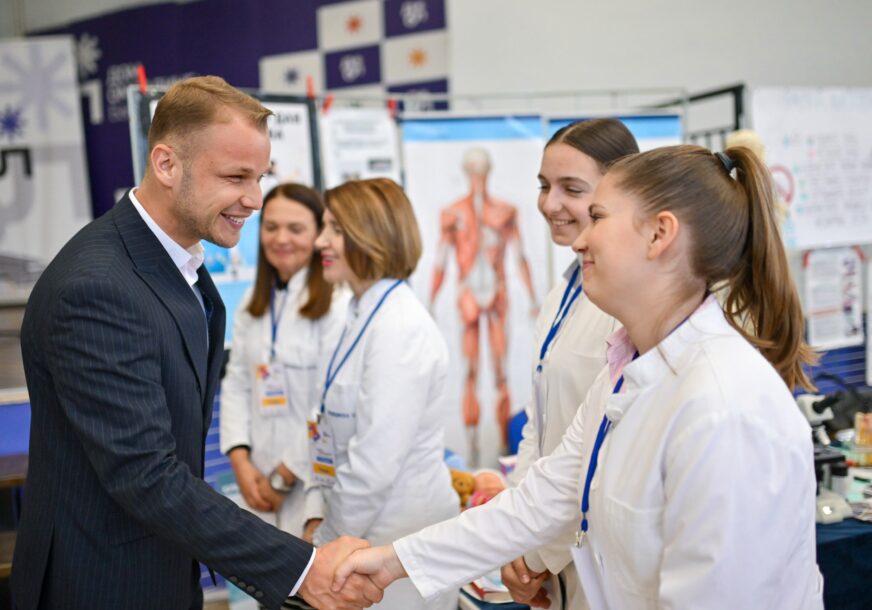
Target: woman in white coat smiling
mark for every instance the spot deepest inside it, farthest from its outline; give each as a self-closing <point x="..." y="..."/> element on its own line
<point x="378" y="441"/>
<point x="285" y="321"/>
<point x="691" y="462"/>
<point x="571" y="333"/>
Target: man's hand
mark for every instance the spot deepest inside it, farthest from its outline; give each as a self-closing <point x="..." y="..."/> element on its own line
<point x="249" y="479"/>
<point x="380" y="564"/>
<point x="358" y="592"/>
<point x="526" y="585"/>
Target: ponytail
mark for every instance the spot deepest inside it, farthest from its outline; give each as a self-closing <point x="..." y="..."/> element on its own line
<point x="735" y="241"/>
<point x="761" y="293"/>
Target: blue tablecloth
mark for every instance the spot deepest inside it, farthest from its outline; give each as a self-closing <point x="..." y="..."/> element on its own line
<point x="844" y="554"/>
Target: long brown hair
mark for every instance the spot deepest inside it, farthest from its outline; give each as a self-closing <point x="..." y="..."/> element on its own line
<point x="320" y="292"/>
<point x="603" y="140"/>
<point x="735" y="240"/>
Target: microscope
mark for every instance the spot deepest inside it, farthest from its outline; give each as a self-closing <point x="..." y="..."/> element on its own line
<point x="831" y="507"/>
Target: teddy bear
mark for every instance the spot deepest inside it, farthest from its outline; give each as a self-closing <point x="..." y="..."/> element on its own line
<point x="464" y="484"/>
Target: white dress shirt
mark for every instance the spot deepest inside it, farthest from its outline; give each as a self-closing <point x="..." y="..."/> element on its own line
<point x="300" y="345"/>
<point x="703" y="497"/>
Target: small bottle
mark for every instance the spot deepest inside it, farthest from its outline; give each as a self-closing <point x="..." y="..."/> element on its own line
<point x="839" y="479"/>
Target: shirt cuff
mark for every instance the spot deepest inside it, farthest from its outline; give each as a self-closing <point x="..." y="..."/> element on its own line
<point x="303" y="575"/>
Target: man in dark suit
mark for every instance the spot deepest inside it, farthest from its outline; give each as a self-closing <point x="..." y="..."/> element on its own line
<point x="122" y="343"/>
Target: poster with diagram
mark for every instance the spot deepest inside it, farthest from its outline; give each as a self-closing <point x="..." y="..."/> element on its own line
<point x="834" y="297"/>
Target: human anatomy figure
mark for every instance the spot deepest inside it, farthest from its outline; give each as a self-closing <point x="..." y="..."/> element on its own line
<point x="479" y="228"/>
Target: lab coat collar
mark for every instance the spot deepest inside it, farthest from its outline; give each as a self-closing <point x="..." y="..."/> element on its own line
<point x="670" y="356"/>
<point x="361" y="307"/>
<point x="567" y="275"/>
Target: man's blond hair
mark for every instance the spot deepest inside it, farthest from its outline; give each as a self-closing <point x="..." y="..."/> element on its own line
<point x="191" y="105"/>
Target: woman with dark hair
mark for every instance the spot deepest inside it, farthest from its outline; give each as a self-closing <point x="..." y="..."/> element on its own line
<point x="571" y="334"/>
<point x="283" y="325"/>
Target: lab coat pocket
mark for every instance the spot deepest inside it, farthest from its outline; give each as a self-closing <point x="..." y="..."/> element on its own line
<point x="341" y="414"/>
<point x="636" y="538"/>
<point x="301" y="363"/>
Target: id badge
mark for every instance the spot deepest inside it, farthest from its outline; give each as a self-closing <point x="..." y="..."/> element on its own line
<point x="272" y="389"/>
<point x="322" y="452"/>
<point x="589" y="575"/>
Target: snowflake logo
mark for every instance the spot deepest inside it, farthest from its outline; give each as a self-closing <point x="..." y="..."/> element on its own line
<point x="352" y="67"/>
<point x="88" y="55"/>
<point x="414" y="13"/>
<point x="38" y="84"/>
<point x="11" y="123"/>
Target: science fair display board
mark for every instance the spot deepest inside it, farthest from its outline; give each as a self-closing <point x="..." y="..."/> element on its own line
<point x="819" y="149"/>
<point x="293" y="136"/>
<point x="359" y="143"/>
<point x="472" y="182"/>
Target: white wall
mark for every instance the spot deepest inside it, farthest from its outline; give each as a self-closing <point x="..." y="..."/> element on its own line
<point x="555" y="45"/>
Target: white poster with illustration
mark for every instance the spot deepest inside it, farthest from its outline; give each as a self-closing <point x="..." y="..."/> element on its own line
<point x="359" y="143"/>
<point x="834" y="297"/>
<point x="44" y="194"/>
<point x="484" y="270"/>
<point x="819" y="150"/>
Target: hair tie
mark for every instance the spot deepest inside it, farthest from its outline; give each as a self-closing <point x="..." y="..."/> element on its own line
<point x="726" y="161"/>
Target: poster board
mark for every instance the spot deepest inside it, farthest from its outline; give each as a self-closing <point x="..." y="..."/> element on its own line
<point x="44" y="192"/>
<point x="359" y="143"/>
<point x="294" y="157"/>
<point x="834" y="297"/>
<point x="434" y="150"/>
<point x="819" y="149"/>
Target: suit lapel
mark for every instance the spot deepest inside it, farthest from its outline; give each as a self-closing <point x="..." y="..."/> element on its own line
<point x="154" y="265"/>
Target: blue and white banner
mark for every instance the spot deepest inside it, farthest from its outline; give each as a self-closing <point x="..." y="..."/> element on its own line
<point x="43" y="175"/>
<point x="367" y="47"/>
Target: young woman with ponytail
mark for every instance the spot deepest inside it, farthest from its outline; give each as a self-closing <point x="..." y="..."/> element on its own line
<point x="692" y="465"/>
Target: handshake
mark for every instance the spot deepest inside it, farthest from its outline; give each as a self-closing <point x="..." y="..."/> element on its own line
<point x="347" y="574"/>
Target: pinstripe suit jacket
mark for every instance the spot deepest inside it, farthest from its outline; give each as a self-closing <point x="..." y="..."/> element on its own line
<point x="116" y="512"/>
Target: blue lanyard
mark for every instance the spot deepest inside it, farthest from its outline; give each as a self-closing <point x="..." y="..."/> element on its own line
<point x="274" y="320"/>
<point x="331" y="373"/>
<point x="565" y="305"/>
<point x="605" y="426"/>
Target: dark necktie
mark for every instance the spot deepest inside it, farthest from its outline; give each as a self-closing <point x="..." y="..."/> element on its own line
<point x="208" y="309"/>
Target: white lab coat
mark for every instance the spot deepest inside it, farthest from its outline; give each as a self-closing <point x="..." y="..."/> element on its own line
<point x="283" y="438"/>
<point x="574" y="358"/>
<point x="386" y="408"/>
<point x="703" y="498"/>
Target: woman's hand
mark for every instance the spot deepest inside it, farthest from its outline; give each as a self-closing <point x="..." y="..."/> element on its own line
<point x="380" y="563"/>
<point x="526" y="585"/>
<point x="248" y="478"/>
<point x="269" y="495"/>
<point x="309" y="530"/>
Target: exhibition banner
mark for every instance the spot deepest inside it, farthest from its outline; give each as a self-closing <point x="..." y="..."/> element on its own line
<point x="44" y="196"/>
<point x="483" y="272"/>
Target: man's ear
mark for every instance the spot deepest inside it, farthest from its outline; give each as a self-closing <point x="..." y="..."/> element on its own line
<point x="663" y="231"/>
<point x="165" y="165"/>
